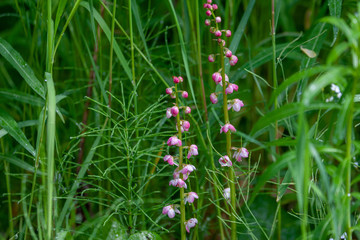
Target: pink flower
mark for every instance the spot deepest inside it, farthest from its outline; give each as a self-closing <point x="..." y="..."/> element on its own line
<point x="170" y="211"/>
<point x="169" y="159"/>
<point x="174" y="111"/>
<point x="208" y="13"/>
<point x="174" y="141"/>
<point x="186" y="170"/>
<point x="214" y="6"/>
<point x="218" y="33"/>
<point x="180" y="79"/>
<point x="169" y="91"/>
<point x="175" y="79"/>
<point x="241" y="153"/>
<point x="209" y="1"/>
<point x="184" y="94"/>
<point x="226" y="80"/>
<point x="236" y="105"/>
<point x="233" y="60"/>
<point x="187" y="110"/>
<point x="227" y="127"/>
<point x="190" y="224"/>
<point x="218" y="19"/>
<point x="213" y="98"/>
<point x="207" y="22"/>
<point x="217" y="77"/>
<point x="184" y="126"/>
<point x="211" y="58"/>
<point x="228" y="53"/>
<point x="228" y="33"/>
<point x="225" y="161"/>
<point x="178" y="182"/>
<point x="226" y="193"/>
<point x="193" y="151"/>
<point x="168" y="113"/>
<point x="206" y="5"/>
<point x="231" y="87"/>
<point x="190" y="197"/>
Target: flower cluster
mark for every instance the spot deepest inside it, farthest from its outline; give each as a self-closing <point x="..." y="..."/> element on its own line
<point x="182" y="171"/>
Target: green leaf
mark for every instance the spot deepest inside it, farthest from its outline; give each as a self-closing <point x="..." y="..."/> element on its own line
<point x="145" y="235"/>
<point x="18" y="162"/>
<point x="22" y="97"/>
<point x="11" y="126"/>
<point x="335" y="11"/>
<point x="15" y="59"/>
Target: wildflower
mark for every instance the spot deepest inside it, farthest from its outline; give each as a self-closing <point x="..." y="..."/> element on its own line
<point x="190" y="197"/>
<point x="231" y="87"/>
<point x="228" y="33"/>
<point x="178" y="182"/>
<point x="211" y="58"/>
<point x="174" y="141"/>
<point x="217" y="33"/>
<point x="184" y="126"/>
<point x="226" y="193"/>
<point x="209" y="1"/>
<point x="176" y="79"/>
<point x="169" y="159"/>
<point x="227" y="127"/>
<point x="225" y="161"/>
<point x="208" y="13"/>
<point x="168" y="113"/>
<point x="218" y="19"/>
<point x="180" y="79"/>
<point x="236" y="105"/>
<point x="233" y="60"/>
<point x="193" y="151"/>
<point x="213" y="98"/>
<point x="190" y="224"/>
<point x="226" y="80"/>
<point x="207" y="22"/>
<point x="169" y="91"/>
<point x="187" y="110"/>
<point x="214" y="6"/>
<point x="336" y="89"/>
<point x="174" y="111"/>
<point x="170" y="211"/>
<point x="228" y="53"/>
<point x="241" y="153"/>
<point x="186" y="170"/>
<point x="217" y="77"/>
<point x="184" y="94"/>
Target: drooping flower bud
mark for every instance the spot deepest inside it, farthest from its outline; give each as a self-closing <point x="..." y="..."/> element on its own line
<point x="170" y="211"/>
<point x="169" y="159"/>
<point x="207" y="22"/>
<point x="180" y="79"/>
<point x="214" y="6"/>
<point x="228" y="53"/>
<point x="217" y="77"/>
<point x="218" y="19"/>
<point x="174" y="141"/>
<point x="187" y="110"/>
<point x="227" y="127"/>
<point x="228" y="33"/>
<point x="184" y="94"/>
<point x="193" y="151"/>
<point x="175" y="79"/>
<point x="241" y="153"/>
<point x="209" y="1"/>
<point x="213" y="98"/>
<point x="191" y="222"/>
<point x="233" y="60"/>
<point x="225" y="161"/>
<point x="211" y="58"/>
<point x="190" y="197"/>
<point x="168" y="113"/>
<point x="178" y="182"/>
<point x="169" y="91"/>
<point x="236" y="105"/>
<point x="208" y="13"/>
<point x="174" y="111"/>
<point x="218" y="33"/>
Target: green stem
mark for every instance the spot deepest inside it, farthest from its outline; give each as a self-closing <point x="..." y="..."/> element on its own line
<point x="8" y="189"/>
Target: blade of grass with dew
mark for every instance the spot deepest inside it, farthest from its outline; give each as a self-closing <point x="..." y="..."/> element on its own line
<point x="184" y="56"/>
<point x="15" y="59"/>
<point x="335" y="11"/>
<point x="22" y="97"/>
<point x="17" y="162"/>
<point x="23" y="124"/>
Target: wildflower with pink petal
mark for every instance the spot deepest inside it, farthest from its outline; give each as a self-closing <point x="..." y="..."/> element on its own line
<point x="218" y="19"/>
<point x="187" y="110"/>
<point x="174" y="141"/>
<point x="168" y="113"/>
<point x="184" y="94"/>
<point x="225" y="161"/>
<point x="170" y="211"/>
<point x="169" y="91"/>
<point x="184" y="126"/>
<point x="233" y="60"/>
<point x="207" y="22"/>
<point x="228" y="53"/>
<point x="169" y="159"/>
<point x="208" y="13"/>
<point x="226" y="80"/>
<point x="226" y="194"/>
<point x="214" y="6"/>
<point x="190" y="224"/>
<point x="228" y="33"/>
<point x="174" y="111"/>
<point x="218" y="33"/>
<point x="190" y="197"/>
<point x="213" y="98"/>
<point x="241" y="153"/>
<point x="227" y="127"/>
<point x="193" y="151"/>
<point x="217" y="77"/>
<point x="178" y="182"/>
<point x="176" y="79"/>
<point x="186" y="170"/>
<point x="236" y="105"/>
<point x="211" y="58"/>
<point x="180" y="79"/>
<point x="209" y="1"/>
<point x="231" y="87"/>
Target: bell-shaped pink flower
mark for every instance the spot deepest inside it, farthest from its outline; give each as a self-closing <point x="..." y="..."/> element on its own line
<point x="226" y="80"/>
<point x="193" y="151"/>
<point x="217" y="33"/>
<point x="186" y="125"/>
<point x="208" y="13"/>
<point x="174" y="111"/>
<point x="228" y="53"/>
<point x="169" y="159"/>
<point x="227" y="127"/>
<point x="233" y="60"/>
<point x="236" y="105"/>
<point x="218" y="19"/>
<point x="209" y="1"/>
<point x="186" y="170"/>
<point x="217" y="77"/>
<point x="213" y="98"/>
<point x="228" y="33"/>
<point x="190" y="224"/>
<point x="180" y="79"/>
<point x="187" y="110"/>
<point x="178" y="182"/>
<point x="226" y="194"/>
<point x="168" y="113"/>
<point x="174" y="141"/>
<point x="214" y="6"/>
<point x="225" y="161"/>
<point x="184" y="94"/>
<point x="211" y="58"/>
<point x="207" y="22"/>
<point x="175" y="79"/>
<point x="170" y="211"/>
<point x="231" y="87"/>
<point x="190" y="197"/>
<point x="241" y="153"/>
<point x="169" y="91"/>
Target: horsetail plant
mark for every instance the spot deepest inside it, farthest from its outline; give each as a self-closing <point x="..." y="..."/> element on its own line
<point x="181" y="173"/>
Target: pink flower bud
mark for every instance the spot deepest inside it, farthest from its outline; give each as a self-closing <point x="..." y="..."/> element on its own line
<point x="228" y="53"/>
<point x="241" y="153"/>
<point x="180" y="79"/>
<point x="190" y="197"/>
<point x="174" y="111"/>
<point x="221" y="41"/>
<point x="169" y="91"/>
<point x="186" y="125"/>
<point x="175" y="79"/>
<point x="226" y="193"/>
<point x="191" y="222"/>
<point x="170" y="211"/>
<point x="214" y="6"/>
<point x="211" y="58"/>
<point x="225" y="161"/>
<point x="233" y="60"/>
<point x="209" y="1"/>
<point x="212" y="29"/>
<point x="228" y="33"/>
<point x="227" y="127"/>
<point x="184" y="94"/>
<point x="168" y="113"/>
<point x="193" y="150"/>
<point x="187" y="110"/>
<point x="217" y="77"/>
<point x="213" y="98"/>
<point x="218" y="19"/>
<point x="236" y="105"/>
<point x="208" y="13"/>
<point x="217" y="33"/>
<point x="174" y="141"/>
<point x="169" y="159"/>
<point x="205" y="5"/>
<point x="229" y="89"/>
<point x="207" y="22"/>
<point x="178" y="182"/>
